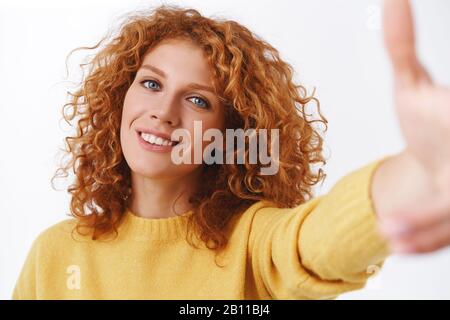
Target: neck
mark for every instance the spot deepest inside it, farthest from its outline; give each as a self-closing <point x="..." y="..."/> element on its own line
<point x="161" y="198"/>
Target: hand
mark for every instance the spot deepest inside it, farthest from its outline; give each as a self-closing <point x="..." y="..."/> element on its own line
<point x="423" y="111"/>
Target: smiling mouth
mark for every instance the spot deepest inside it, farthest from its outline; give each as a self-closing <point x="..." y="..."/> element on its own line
<point x="156" y="140"/>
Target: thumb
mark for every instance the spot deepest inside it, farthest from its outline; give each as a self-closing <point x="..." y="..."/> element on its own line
<point x="399" y="40"/>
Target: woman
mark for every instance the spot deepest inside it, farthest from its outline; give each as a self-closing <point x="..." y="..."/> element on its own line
<point x="148" y="227"/>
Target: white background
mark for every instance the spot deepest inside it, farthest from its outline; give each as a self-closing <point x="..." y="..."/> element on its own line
<point x="335" y="46"/>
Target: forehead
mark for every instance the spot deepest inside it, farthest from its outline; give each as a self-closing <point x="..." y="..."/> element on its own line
<point x="179" y="57"/>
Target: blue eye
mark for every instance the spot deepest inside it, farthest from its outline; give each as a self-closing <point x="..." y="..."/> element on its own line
<point x="203" y="104"/>
<point x="155" y="86"/>
<point x="151" y="82"/>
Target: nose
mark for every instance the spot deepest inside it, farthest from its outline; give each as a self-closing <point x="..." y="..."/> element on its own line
<point x="166" y="110"/>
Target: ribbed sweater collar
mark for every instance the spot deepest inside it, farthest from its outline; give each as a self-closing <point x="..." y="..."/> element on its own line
<point x="140" y="228"/>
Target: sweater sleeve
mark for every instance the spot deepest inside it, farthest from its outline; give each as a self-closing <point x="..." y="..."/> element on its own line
<point x="322" y="248"/>
<point x="25" y="288"/>
<point x="37" y="264"/>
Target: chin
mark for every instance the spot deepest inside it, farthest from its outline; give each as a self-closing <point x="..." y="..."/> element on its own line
<point x="155" y="170"/>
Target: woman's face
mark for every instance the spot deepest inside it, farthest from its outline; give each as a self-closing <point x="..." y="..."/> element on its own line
<point x="171" y="90"/>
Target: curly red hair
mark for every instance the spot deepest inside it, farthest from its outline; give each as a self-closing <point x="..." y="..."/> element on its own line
<point x="257" y="90"/>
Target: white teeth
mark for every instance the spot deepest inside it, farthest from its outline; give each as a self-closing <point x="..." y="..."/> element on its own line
<point x="155" y="140"/>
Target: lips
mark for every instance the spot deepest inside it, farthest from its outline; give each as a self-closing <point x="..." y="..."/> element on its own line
<point x="152" y="147"/>
<point x="156" y="133"/>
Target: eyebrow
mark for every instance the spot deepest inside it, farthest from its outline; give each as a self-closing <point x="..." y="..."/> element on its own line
<point x="191" y="85"/>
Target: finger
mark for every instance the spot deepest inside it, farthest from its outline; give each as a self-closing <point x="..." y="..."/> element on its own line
<point x="423" y="241"/>
<point x="399" y="34"/>
<point x="423" y="76"/>
<point x="400" y="42"/>
<point x="422" y="216"/>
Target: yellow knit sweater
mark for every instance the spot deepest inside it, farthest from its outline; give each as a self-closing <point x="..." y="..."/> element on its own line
<point x="317" y="250"/>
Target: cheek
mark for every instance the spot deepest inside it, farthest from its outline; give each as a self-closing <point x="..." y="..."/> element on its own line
<point x="131" y="103"/>
<point x="133" y="107"/>
<point x="130" y="111"/>
<point x="217" y="121"/>
<point x="212" y="123"/>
